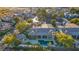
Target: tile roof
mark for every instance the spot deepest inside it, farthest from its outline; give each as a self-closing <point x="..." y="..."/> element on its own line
<point x="71" y="25"/>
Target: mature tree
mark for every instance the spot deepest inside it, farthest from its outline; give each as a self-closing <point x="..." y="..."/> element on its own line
<point x="75" y="20"/>
<point x="22" y="25"/>
<point x="65" y="39"/>
<point x="49" y="43"/>
<point x="29" y="20"/>
<point x="16" y="19"/>
<point x="2" y="33"/>
<point x="41" y="13"/>
<point x="17" y="42"/>
<point x="77" y="11"/>
<point x="53" y="22"/>
<point x="28" y="43"/>
<point x="61" y="14"/>
<point x="8" y="39"/>
<point x="73" y="10"/>
<point x="54" y="16"/>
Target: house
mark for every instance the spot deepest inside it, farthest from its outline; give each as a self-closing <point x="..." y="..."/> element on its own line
<point x="71" y="25"/>
<point x="70" y="15"/>
<point x="5" y="25"/>
<point x="29" y="15"/>
<point x="7" y="18"/>
<point x="45" y="34"/>
<point x="61" y="21"/>
<point x="71" y="29"/>
<point x="74" y="32"/>
<point x="42" y="35"/>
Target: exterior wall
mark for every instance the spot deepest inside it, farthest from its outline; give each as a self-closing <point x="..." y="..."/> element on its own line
<point x="43" y="36"/>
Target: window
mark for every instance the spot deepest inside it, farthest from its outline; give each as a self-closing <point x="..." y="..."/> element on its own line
<point x="45" y="37"/>
<point x="39" y="36"/>
<point x="73" y="36"/>
<point x="50" y="36"/>
<point x="78" y="37"/>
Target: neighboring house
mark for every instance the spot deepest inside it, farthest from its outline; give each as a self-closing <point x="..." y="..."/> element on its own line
<point x="61" y="21"/>
<point x="74" y="32"/>
<point x="71" y="29"/>
<point x="7" y="19"/>
<point x="69" y="15"/>
<point x="6" y="25"/>
<point x="29" y="15"/>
